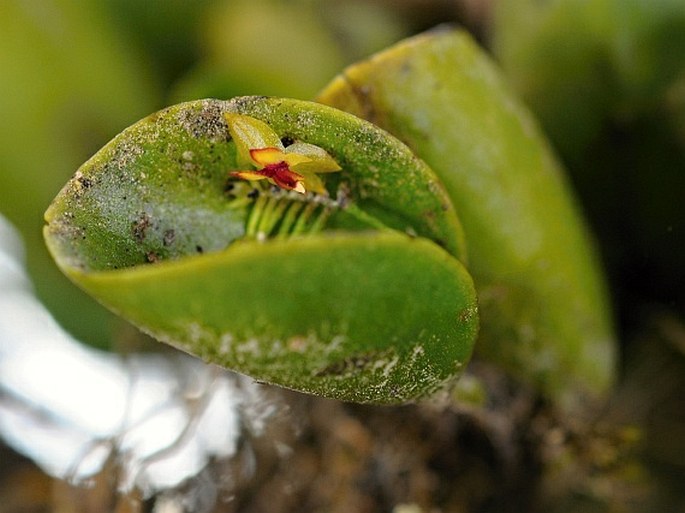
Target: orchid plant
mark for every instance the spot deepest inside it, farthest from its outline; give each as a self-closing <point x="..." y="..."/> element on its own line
<point x="382" y="252"/>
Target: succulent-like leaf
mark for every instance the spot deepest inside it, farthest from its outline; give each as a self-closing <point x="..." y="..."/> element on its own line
<point x="358" y="295"/>
<point x="544" y="309"/>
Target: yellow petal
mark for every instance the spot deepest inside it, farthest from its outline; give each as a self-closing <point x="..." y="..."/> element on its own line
<point x="318" y="159"/>
<point x="249" y="133"/>
<point x="263" y="157"/>
<point x="293" y="159"/>
<point x="314" y="184"/>
<point x="247" y="175"/>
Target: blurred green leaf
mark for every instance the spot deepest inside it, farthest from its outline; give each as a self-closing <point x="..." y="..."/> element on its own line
<point x="287" y="48"/>
<point x="605" y="78"/>
<point x="544" y="309"/>
<point x="68" y="83"/>
<point x="269" y="47"/>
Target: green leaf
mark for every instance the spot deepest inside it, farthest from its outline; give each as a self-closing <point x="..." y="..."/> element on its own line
<point x="358" y="295"/>
<point x="332" y="315"/>
<point x="544" y="309"/>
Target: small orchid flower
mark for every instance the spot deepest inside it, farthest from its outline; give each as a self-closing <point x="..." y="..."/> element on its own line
<point x="292" y="168"/>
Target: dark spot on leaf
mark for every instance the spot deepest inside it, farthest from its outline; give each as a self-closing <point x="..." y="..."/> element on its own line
<point x="253" y="194"/>
<point x="139" y="227"/>
<point x="429" y="215"/>
<point x="169" y="237"/>
<point x="206" y="122"/>
<point x="199" y="249"/>
<point x="86" y="183"/>
<point x="287" y="140"/>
